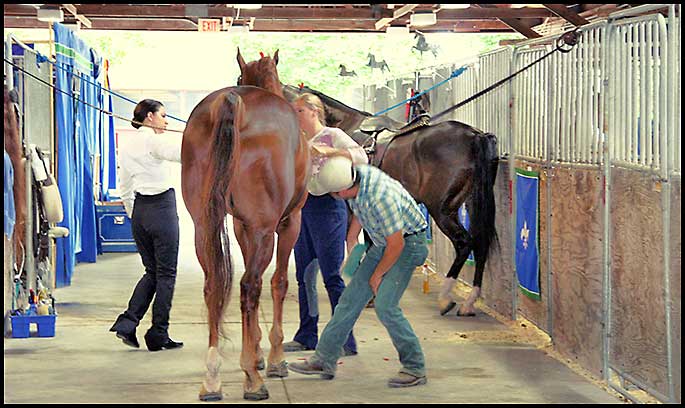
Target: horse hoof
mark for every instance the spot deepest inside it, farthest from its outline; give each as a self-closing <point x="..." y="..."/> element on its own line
<point x="262" y="394"/>
<point x="447" y="308"/>
<point x="210" y="395"/>
<point x="279" y="370"/>
<point x="261" y="364"/>
<point x="467" y="314"/>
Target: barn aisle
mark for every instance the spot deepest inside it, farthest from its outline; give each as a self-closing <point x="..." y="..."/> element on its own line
<point x="85" y="363"/>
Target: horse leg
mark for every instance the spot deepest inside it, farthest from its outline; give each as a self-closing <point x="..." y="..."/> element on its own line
<point x="480" y="256"/>
<point x="257" y="246"/>
<point x="211" y="385"/>
<point x="461" y="241"/>
<point x="244" y="244"/>
<point x="288" y="231"/>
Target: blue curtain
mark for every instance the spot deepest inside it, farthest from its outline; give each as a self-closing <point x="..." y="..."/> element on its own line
<point x="108" y="170"/>
<point x="527" y="251"/>
<point x="466" y="223"/>
<point x="78" y="135"/>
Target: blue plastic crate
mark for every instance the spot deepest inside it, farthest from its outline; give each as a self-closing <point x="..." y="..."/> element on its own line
<point x="21" y="325"/>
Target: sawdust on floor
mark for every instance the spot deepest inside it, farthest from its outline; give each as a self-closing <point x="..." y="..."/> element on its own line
<point x="522" y="331"/>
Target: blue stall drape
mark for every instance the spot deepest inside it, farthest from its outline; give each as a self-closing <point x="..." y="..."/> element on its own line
<point x="527" y="251"/>
<point x="466" y="223"/>
<point x="108" y="170"/>
<point x="78" y="135"/>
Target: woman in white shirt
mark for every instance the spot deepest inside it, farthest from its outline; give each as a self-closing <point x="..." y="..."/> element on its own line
<point x="324" y="224"/>
<point x="150" y="202"/>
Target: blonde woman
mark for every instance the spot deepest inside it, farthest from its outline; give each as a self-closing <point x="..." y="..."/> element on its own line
<point x="324" y="224"/>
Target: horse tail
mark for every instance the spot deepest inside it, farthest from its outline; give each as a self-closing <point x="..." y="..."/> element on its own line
<point x="227" y="114"/>
<point x="484" y="152"/>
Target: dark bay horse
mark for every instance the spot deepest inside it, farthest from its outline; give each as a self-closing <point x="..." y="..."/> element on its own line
<point x="13" y="146"/>
<point x="243" y="154"/>
<point x="442" y="166"/>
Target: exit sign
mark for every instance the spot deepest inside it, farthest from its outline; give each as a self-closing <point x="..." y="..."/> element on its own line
<point x="208" y="24"/>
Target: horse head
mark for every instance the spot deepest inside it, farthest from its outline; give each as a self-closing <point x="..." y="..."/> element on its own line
<point x="261" y="73"/>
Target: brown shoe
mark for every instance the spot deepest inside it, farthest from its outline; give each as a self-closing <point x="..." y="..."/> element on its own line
<point x="292" y="346"/>
<point x="308" y="368"/>
<point x="406" y="380"/>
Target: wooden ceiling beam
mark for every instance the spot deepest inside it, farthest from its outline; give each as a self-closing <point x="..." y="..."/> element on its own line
<point x="19" y="10"/>
<point x="395" y="15"/>
<point x="515" y="24"/>
<point x="562" y="11"/>
<point x="110" y="24"/>
<point x="121" y="10"/>
<point x="479" y="13"/>
<point x="265" y="25"/>
<point x="178" y="11"/>
<point x="74" y="11"/>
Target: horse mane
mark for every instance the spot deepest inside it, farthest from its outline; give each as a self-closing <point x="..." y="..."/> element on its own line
<point x="327" y="100"/>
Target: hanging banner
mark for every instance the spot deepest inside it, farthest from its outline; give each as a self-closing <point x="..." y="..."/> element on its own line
<point x="527" y="251"/>
<point x="466" y="223"/>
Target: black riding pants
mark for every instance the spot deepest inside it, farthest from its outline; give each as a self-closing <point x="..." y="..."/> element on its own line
<point x="155" y="230"/>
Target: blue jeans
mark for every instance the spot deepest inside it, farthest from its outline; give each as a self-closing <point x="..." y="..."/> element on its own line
<point x="358" y="293"/>
<point x="322" y="238"/>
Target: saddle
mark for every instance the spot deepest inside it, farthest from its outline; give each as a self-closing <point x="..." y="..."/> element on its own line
<point x="377" y="132"/>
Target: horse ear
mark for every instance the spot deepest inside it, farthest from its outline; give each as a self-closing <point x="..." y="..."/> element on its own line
<point x="276" y="57"/>
<point x="241" y="61"/>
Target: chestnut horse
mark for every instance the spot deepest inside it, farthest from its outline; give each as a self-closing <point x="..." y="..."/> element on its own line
<point x="243" y="154"/>
<point x="13" y="146"/>
<point x="442" y="166"/>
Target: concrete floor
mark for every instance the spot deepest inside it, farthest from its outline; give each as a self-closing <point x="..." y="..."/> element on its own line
<point x="85" y="363"/>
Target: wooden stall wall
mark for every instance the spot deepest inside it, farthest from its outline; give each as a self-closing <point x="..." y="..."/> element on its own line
<point x="577" y="265"/>
<point x="638" y="320"/>
<point x="499" y="271"/>
<point x="675" y="280"/>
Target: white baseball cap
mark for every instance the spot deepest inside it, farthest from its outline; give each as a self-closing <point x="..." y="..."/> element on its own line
<point x="336" y="174"/>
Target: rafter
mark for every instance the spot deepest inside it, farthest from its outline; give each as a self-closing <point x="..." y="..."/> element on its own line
<point x="562" y="11"/>
<point x="395" y="15"/>
<point x="529" y="21"/>
<point x="515" y="24"/>
<point x="74" y="11"/>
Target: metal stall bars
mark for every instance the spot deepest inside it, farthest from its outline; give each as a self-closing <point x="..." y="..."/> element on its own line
<point x="642" y="136"/>
<point x="493" y="107"/>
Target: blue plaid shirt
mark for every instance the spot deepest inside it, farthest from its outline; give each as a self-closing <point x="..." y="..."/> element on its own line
<point x="383" y="206"/>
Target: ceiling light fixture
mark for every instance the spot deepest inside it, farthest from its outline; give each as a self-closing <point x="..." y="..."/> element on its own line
<point x="454" y="6"/>
<point x="50" y="15"/>
<point x="419" y="19"/>
<point x="247" y="6"/>
<point x="239" y="29"/>
<point x="397" y="30"/>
